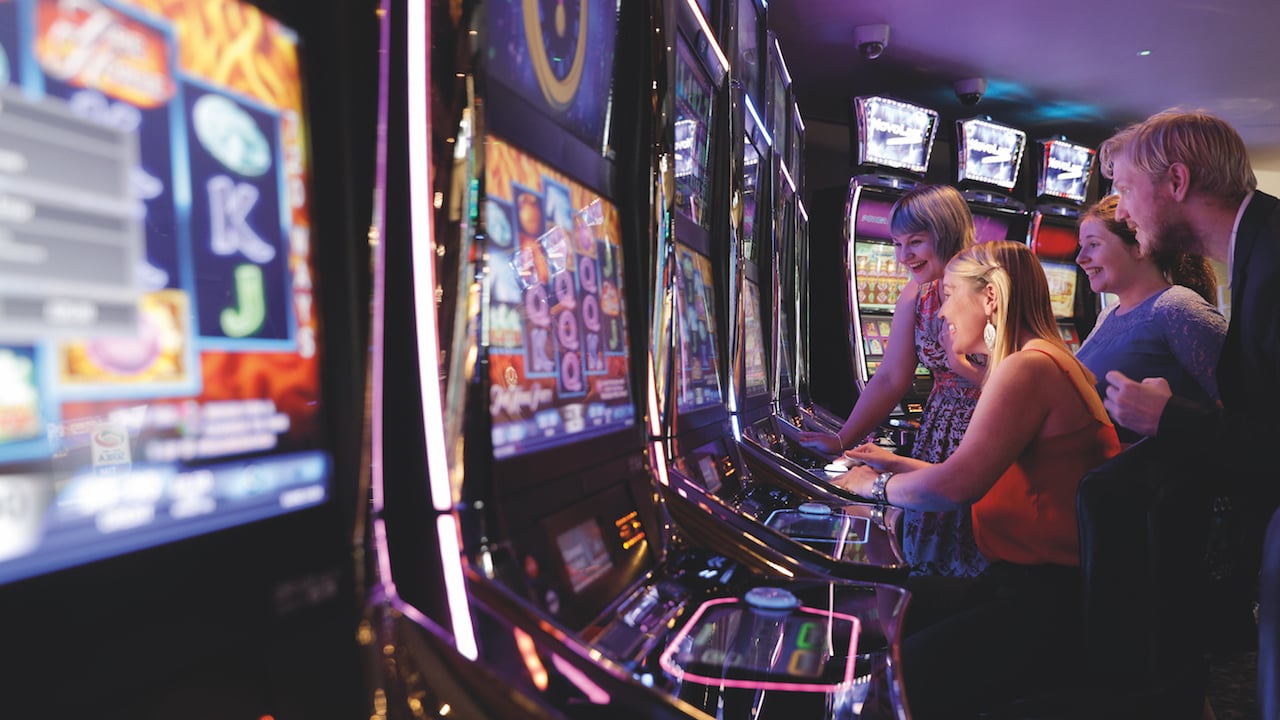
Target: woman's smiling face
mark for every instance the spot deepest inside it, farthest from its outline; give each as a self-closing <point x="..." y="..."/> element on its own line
<point x="916" y="252"/>
<point x="965" y="313"/>
<point x="1109" y="262"/>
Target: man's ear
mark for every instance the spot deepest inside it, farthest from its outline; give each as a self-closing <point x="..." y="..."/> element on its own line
<point x="1179" y="181"/>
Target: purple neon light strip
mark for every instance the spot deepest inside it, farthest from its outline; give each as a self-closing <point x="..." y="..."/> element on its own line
<point x="377" y="324"/>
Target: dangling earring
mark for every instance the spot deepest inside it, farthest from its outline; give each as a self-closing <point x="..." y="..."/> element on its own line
<point x="989" y="335"/>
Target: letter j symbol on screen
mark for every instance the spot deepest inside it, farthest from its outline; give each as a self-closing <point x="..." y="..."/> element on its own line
<point x="251" y="307"/>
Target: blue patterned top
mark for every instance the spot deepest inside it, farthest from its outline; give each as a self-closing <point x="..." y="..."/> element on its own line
<point x="1173" y="334"/>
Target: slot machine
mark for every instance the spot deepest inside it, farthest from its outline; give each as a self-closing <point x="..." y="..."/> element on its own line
<point x="988" y="159"/>
<point x="185" y="186"/>
<point x="752" y="267"/>
<point x="894" y="141"/>
<point x="1062" y="187"/>
<point x="769" y="439"/>
<point x="791" y="378"/>
<point x="532" y="490"/>
<point x="709" y="490"/>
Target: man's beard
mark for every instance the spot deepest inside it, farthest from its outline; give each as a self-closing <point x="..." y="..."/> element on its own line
<point x="1170" y="233"/>
<point x="1173" y="237"/>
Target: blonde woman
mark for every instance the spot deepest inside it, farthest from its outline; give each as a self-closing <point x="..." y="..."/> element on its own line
<point x="1038" y="427"/>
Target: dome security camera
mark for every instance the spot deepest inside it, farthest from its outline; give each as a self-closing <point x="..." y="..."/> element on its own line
<point x="970" y="90"/>
<point x="871" y="40"/>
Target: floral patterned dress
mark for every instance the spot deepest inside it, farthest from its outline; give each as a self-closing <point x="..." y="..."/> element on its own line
<point x="940" y="543"/>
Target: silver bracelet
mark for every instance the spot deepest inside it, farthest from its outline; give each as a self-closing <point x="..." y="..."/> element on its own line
<point x="878" y="488"/>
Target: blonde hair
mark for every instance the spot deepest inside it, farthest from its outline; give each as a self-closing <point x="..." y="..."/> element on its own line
<point x="939" y="210"/>
<point x="1211" y="149"/>
<point x="1021" y="293"/>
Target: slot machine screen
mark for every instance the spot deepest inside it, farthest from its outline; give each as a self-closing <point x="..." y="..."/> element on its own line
<point x="1065" y="170"/>
<point x="755" y="372"/>
<point x="989" y="152"/>
<point x="697" y="363"/>
<point x="894" y="134"/>
<point x="558" y="58"/>
<point x="879" y="275"/>
<point x="159" y="334"/>
<point x="558" y="355"/>
<point x="871" y="219"/>
<point x="585" y="556"/>
<point x="1062" y="279"/>
<point x="694" y="96"/>
<point x="989" y="228"/>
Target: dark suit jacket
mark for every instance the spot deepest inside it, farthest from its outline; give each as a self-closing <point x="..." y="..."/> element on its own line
<point x="1231" y="450"/>
<point x="1248" y="424"/>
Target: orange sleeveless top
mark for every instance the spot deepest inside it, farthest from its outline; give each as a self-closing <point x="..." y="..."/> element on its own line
<point x="1029" y="515"/>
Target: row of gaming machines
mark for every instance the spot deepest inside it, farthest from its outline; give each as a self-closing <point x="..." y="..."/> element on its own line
<point x="576" y="479"/>
<point x="574" y="488"/>
<point x="895" y="141"/>
<point x="613" y="508"/>
<point x="619" y="513"/>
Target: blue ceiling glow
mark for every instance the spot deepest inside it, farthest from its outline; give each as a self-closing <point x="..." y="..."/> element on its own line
<point x="1016" y="104"/>
<point x="1006" y="91"/>
<point x="1059" y="111"/>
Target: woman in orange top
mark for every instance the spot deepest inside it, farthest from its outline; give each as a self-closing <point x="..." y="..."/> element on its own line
<point x="1039" y="426"/>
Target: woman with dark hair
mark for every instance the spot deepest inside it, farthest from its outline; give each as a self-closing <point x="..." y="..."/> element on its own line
<point x="1164" y="323"/>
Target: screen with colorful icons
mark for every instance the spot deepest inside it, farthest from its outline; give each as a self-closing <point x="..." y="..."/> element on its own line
<point x="559" y="58"/>
<point x="989" y="152"/>
<point x="159" y="340"/>
<point x="558" y="358"/>
<point x="878" y="275"/>
<point x="697" y="359"/>
<point x="1065" y="169"/>
<point x="894" y="134"/>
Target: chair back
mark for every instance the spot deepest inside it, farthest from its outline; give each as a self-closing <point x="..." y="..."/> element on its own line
<point x="1143" y="521"/>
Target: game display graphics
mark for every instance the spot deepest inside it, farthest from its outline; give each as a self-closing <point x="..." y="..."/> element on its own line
<point x="159" y="341"/>
<point x="558" y="354"/>
<point x="558" y="56"/>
